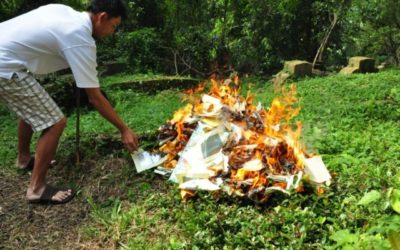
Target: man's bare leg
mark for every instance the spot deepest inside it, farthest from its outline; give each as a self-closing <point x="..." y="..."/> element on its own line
<point x="45" y="151"/>
<point x="24" y="141"/>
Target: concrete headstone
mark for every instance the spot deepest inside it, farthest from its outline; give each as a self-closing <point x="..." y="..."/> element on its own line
<point x="298" y="68"/>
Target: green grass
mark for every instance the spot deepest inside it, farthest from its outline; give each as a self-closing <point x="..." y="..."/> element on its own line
<point x="140" y="111"/>
<point x="352" y="121"/>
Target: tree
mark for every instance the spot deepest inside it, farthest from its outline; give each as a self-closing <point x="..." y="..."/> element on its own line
<point x="337" y="10"/>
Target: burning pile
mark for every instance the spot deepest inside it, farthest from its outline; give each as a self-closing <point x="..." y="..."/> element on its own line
<point x="223" y="141"/>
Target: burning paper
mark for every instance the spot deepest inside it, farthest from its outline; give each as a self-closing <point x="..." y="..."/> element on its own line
<point x="224" y="142"/>
<point x="200" y="153"/>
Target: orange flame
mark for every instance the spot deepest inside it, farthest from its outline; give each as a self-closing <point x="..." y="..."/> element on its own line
<point x="277" y="143"/>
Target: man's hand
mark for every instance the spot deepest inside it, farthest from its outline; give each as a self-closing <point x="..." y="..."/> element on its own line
<point x="102" y="105"/>
<point x="130" y="140"/>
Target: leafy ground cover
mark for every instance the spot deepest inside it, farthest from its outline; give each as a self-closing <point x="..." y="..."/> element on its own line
<point x="352" y="121"/>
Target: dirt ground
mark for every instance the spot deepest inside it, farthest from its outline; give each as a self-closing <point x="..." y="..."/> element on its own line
<point x="26" y="226"/>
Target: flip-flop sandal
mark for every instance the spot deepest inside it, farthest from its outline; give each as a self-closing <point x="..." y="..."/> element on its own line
<point x="31" y="163"/>
<point x="49" y="192"/>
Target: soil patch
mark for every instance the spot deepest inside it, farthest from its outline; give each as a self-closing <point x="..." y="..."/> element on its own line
<point x="25" y="226"/>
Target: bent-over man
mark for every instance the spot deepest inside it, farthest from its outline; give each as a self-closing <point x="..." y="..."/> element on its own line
<point x="45" y="40"/>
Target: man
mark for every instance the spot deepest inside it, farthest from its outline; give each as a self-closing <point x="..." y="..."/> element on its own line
<point x="48" y="39"/>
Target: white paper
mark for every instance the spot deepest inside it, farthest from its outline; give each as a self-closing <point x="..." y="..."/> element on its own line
<point x="315" y="168"/>
<point x="144" y="160"/>
<point x="271" y="190"/>
<point x="203" y="184"/>
<point x="253" y="165"/>
<point x="162" y="171"/>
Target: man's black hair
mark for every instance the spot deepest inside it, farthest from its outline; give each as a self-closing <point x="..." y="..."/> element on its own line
<point x="114" y="8"/>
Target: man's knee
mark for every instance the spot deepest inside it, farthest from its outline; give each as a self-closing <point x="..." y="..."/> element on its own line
<point x="62" y="123"/>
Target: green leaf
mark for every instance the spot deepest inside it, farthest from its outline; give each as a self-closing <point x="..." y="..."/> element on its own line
<point x="395" y="200"/>
<point x="397" y="178"/>
<point x="343" y="237"/>
<point x="348" y="247"/>
<point x="369" y="198"/>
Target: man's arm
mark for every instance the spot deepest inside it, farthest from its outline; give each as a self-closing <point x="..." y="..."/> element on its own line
<point x="97" y="99"/>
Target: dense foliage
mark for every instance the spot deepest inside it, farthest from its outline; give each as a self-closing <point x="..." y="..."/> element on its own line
<point x="201" y="37"/>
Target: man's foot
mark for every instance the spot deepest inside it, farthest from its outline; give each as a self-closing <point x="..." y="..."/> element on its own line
<point x="27" y="164"/>
<point x="50" y="195"/>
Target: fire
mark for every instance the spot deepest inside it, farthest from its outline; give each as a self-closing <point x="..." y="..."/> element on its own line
<point x="262" y="152"/>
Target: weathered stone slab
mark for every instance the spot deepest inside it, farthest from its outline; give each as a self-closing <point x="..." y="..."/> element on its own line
<point x="360" y="64"/>
<point x="298" y="68"/>
<point x="349" y="70"/>
<point x="280" y="78"/>
<point x="365" y="64"/>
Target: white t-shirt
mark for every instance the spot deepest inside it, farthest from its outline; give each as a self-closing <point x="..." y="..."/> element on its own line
<point x="48" y="39"/>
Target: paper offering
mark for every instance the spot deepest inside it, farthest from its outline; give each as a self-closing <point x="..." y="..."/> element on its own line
<point x="316" y="169"/>
<point x="145" y="160"/>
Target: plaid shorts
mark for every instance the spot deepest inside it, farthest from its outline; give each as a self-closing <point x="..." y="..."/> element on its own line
<point x="28" y="99"/>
